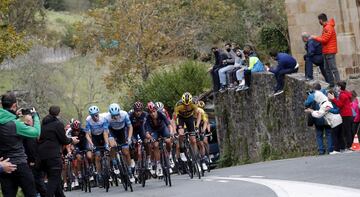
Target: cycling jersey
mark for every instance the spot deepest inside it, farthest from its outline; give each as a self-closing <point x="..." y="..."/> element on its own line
<point x="138" y="124"/>
<point x="96" y="128"/>
<point x="204" y="116"/>
<point x="159" y="123"/>
<point x="185" y="111"/>
<point x="119" y="123"/>
<point x="82" y="145"/>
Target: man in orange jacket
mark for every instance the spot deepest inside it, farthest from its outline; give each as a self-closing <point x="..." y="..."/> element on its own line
<point x="329" y="43"/>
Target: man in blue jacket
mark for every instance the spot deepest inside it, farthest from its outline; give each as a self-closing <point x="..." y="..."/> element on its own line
<point x="313" y="55"/>
<point x="286" y="65"/>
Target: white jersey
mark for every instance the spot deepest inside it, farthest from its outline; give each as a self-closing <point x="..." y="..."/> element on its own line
<point x="96" y="128"/>
<point x="119" y="123"/>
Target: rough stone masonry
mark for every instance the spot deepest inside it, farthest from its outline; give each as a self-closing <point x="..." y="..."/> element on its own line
<point x="252" y="126"/>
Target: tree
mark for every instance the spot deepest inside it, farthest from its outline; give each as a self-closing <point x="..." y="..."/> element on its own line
<point x="168" y="86"/>
<point x="16" y="18"/>
<point x="148" y="33"/>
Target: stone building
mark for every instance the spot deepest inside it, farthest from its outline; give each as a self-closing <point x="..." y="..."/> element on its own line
<point x="302" y="16"/>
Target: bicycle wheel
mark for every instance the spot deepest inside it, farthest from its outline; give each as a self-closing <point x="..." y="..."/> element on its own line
<point x="105" y="173"/>
<point x="69" y="175"/>
<point x="143" y="166"/>
<point x="196" y="163"/>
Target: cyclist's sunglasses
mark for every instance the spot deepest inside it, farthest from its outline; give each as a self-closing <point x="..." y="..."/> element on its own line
<point x="95" y="115"/>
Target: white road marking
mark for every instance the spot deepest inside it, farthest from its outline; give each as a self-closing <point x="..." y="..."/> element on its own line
<point x="284" y="188"/>
<point x="222" y="181"/>
<point x="256" y="176"/>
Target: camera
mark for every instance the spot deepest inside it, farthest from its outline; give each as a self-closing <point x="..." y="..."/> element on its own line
<point x="26" y="111"/>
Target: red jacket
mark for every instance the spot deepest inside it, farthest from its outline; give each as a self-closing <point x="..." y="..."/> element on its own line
<point x="344" y="103"/>
<point x="328" y="38"/>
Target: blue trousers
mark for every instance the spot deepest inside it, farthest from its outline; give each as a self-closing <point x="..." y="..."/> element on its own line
<point x="320" y="131"/>
<point x="318" y="60"/>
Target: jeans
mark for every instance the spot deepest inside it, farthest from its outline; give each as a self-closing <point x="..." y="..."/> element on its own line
<point x="53" y="167"/>
<point x="222" y="74"/>
<point x="320" y="130"/>
<point x="280" y="77"/>
<point x="21" y="177"/>
<point x="240" y="74"/>
<point x="331" y="69"/>
<point x="318" y="60"/>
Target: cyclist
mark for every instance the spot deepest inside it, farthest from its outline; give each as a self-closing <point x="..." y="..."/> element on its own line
<point x="118" y="121"/>
<point x="138" y="118"/>
<point x="203" y="127"/>
<point x="160" y="107"/>
<point x="77" y="131"/>
<point x="97" y="134"/>
<point x="184" y="114"/>
<point x="157" y="125"/>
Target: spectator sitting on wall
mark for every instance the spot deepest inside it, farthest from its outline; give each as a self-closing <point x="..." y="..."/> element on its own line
<point x="239" y="64"/>
<point x="286" y="65"/>
<point x="228" y="65"/>
<point x="356" y="112"/>
<point x="329" y="48"/>
<point x="219" y="57"/>
<point x="332" y="119"/>
<point x="254" y="65"/>
<point x="313" y="55"/>
<point x="344" y="104"/>
<point x="321" y="125"/>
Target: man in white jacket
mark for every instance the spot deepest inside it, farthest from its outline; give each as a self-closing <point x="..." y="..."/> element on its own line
<point x="334" y="120"/>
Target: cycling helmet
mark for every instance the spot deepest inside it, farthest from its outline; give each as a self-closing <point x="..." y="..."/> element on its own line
<point x="114" y="109"/>
<point x="151" y="106"/>
<point x="138" y="106"/>
<point x="75" y="125"/>
<point x="93" y="110"/>
<point x="186" y="98"/>
<point x="201" y="104"/>
<point x="159" y="105"/>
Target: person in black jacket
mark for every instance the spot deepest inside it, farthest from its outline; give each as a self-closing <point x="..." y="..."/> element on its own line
<point x="30" y="145"/>
<point x="51" y="140"/>
<point x="12" y="132"/>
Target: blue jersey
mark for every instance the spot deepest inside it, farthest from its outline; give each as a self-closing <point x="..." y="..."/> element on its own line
<point x="120" y="122"/>
<point x="96" y="128"/>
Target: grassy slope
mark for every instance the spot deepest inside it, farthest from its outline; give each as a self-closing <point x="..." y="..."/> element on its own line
<point x="57" y="21"/>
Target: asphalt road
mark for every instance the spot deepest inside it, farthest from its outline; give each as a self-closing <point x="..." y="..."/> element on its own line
<point x="320" y="176"/>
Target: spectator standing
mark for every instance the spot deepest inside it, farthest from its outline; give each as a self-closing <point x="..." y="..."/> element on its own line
<point x="322" y="128"/>
<point x="286" y="65"/>
<point x="356" y="112"/>
<point x="50" y="145"/>
<point x="332" y="119"/>
<point x="329" y="48"/>
<point x="12" y="132"/>
<point x="30" y="145"/>
<point x="344" y="104"/>
<point x="313" y="55"/>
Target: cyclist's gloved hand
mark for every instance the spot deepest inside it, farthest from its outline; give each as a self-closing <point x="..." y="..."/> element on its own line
<point x="107" y="147"/>
<point x="129" y="141"/>
<point x="196" y="129"/>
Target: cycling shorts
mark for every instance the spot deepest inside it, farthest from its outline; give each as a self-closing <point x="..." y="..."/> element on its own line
<point x="162" y="132"/>
<point x="189" y="122"/>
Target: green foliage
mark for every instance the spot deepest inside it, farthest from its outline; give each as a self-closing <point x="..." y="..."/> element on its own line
<point x="57" y="5"/>
<point x="168" y="86"/>
<point x="271" y="38"/>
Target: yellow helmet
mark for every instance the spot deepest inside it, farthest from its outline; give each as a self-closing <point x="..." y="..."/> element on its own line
<point x="201" y="104"/>
<point x="186" y="98"/>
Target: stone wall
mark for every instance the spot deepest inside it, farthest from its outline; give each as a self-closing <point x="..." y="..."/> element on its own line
<point x="252" y="126"/>
<point x="302" y="16"/>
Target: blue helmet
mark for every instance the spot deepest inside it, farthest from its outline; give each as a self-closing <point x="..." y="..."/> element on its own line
<point x="114" y="109"/>
<point x="93" y="110"/>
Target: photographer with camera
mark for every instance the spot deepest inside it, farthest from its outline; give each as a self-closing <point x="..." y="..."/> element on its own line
<point x="12" y="132"/>
<point x="50" y="145"/>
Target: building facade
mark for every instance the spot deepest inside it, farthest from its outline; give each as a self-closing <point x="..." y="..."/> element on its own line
<point x="302" y="16"/>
